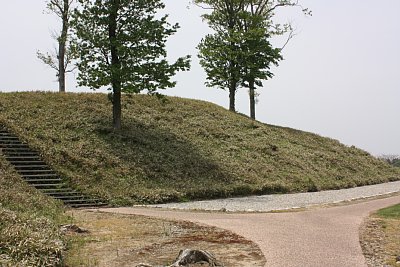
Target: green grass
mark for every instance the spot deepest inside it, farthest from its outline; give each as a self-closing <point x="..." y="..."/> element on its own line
<point x="390" y="212"/>
<point x="29" y="223"/>
<point x="179" y="149"/>
<point x="389" y="223"/>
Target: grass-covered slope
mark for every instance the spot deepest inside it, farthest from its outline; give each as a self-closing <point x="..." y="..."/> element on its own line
<point x="177" y="149"/>
<point x="29" y="230"/>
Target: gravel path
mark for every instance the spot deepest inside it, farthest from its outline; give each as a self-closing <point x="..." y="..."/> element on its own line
<point x="287" y="201"/>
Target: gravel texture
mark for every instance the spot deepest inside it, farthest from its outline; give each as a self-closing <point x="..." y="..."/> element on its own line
<point x="372" y="239"/>
<point x="267" y="203"/>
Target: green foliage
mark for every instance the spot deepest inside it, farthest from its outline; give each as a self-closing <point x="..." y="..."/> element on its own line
<point x="258" y="53"/>
<point x="390" y="212"/>
<point x="220" y="53"/>
<point x="396" y="163"/>
<point x="29" y="233"/>
<point x="218" y="58"/>
<point x="239" y="51"/>
<point x="140" y="45"/>
<point x="179" y="149"/>
<point x="393" y="160"/>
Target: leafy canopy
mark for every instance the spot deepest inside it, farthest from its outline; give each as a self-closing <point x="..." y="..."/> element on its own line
<point x="239" y="49"/>
<point x="140" y="43"/>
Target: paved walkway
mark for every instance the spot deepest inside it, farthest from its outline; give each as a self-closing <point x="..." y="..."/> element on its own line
<point x="287" y="201"/>
<point x="314" y="238"/>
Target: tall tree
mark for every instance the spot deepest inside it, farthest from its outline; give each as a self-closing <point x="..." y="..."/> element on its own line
<point x="218" y="57"/>
<point x="258" y="52"/>
<point x="62" y="58"/>
<point x="121" y="43"/>
<point x="219" y="52"/>
<point x="242" y="28"/>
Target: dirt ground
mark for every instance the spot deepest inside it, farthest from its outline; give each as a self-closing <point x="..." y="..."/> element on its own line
<point x="127" y="240"/>
<point x="380" y="241"/>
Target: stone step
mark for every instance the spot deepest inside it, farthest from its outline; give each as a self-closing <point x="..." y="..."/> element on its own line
<point x="83" y="201"/>
<point x="79" y="197"/>
<point x="18" y="150"/>
<point x="54" y="193"/>
<point x="21" y="158"/>
<point x="32" y="167"/>
<point x="40" y="171"/>
<point x="18" y="163"/>
<point x="47" y="181"/>
<point x="20" y="154"/>
<point x="14" y="144"/>
<point x="7" y="138"/>
<point x="29" y="164"/>
<point x="59" y="190"/>
<point x="87" y="205"/>
<point x="47" y="186"/>
<point x="44" y="176"/>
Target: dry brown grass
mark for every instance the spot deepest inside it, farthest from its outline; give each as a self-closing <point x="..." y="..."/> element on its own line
<point x="126" y="240"/>
<point x="29" y="233"/>
<point x="380" y="237"/>
<point x="180" y="149"/>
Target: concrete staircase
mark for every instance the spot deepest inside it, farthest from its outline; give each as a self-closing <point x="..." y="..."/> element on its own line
<point x="29" y="164"/>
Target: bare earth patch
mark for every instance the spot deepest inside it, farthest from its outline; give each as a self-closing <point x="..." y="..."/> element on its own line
<point x="380" y="241"/>
<point x="128" y="240"/>
<point x="372" y="241"/>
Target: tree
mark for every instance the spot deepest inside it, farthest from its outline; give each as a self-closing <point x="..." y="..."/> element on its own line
<point x="121" y="44"/>
<point x="242" y="28"/>
<point x="391" y="159"/>
<point x="62" y="58"/>
<point x="261" y="55"/>
<point x="258" y="53"/>
<point x="219" y="52"/>
<point x="218" y="58"/>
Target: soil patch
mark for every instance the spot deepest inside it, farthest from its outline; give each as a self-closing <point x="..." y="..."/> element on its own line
<point x="128" y="240"/>
<point x="380" y="241"/>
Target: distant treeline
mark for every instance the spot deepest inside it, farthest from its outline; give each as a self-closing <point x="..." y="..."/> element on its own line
<point x="392" y="159"/>
<point x="396" y="162"/>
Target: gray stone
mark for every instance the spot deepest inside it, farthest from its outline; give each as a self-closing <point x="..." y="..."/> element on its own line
<point x="188" y="256"/>
<point x="72" y="228"/>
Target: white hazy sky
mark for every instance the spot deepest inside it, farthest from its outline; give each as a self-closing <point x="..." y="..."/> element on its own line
<point x="340" y="77"/>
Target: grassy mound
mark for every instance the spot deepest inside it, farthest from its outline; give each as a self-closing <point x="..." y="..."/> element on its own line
<point x="29" y="231"/>
<point x="178" y="149"/>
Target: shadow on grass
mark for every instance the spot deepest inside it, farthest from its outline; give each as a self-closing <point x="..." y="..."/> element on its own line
<point x="167" y="161"/>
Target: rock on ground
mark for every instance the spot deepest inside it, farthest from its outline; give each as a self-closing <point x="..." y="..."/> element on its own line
<point x="192" y="258"/>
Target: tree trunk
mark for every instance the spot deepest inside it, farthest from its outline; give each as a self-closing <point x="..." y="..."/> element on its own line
<point x="62" y="47"/>
<point x="252" y="99"/>
<point x="116" y="107"/>
<point x="232" y="96"/>
<point x="115" y="64"/>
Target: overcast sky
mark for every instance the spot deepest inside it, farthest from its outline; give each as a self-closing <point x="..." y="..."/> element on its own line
<point x="340" y="77"/>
